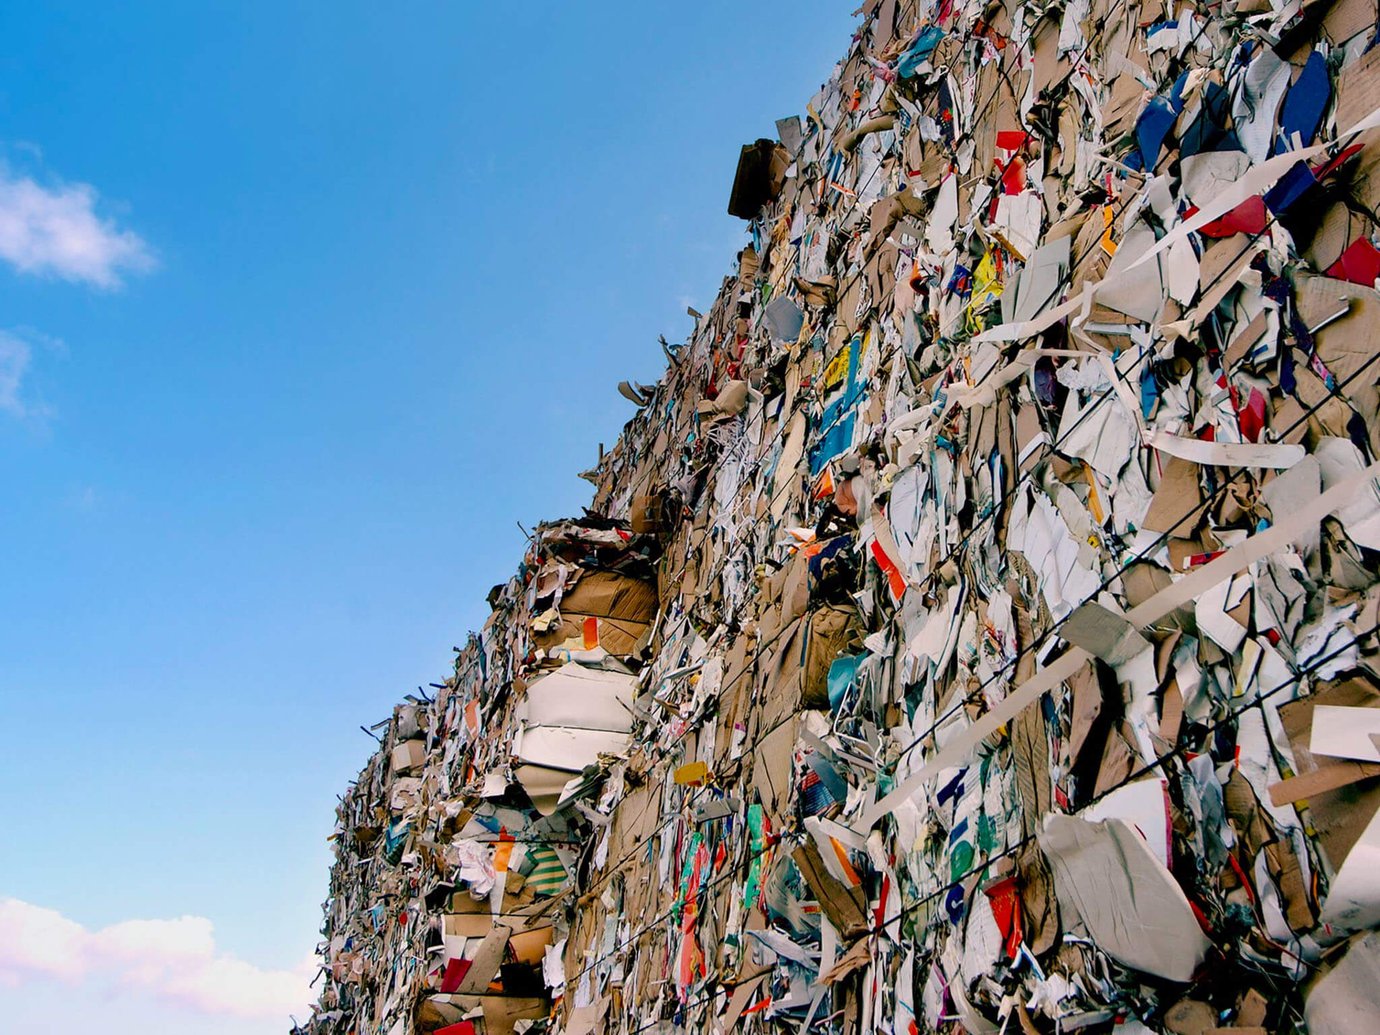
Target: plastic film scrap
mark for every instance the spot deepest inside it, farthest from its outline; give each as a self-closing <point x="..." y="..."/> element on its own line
<point x="975" y="627"/>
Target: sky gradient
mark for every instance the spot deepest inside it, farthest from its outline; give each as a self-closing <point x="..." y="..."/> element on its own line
<point x="303" y="308"/>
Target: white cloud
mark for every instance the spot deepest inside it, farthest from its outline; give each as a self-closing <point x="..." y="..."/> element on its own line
<point x="55" y="231"/>
<point x="36" y="940"/>
<point x="175" y="961"/>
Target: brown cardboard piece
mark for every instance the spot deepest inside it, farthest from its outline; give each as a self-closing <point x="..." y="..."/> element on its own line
<point x="772" y="765"/>
<point x="860" y="955"/>
<point x="1347" y="344"/>
<point x="741" y="997"/>
<point x="467" y="922"/>
<point x="487" y="959"/>
<point x="1322" y="779"/>
<point x="1189" y="1017"/>
<point x="624" y="607"/>
<point x="800" y="666"/>
<point x="1251" y="1009"/>
<point x="1339" y="815"/>
<point x="501" y="1013"/>
<point x="408" y="755"/>
<point x="529" y="946"/>
<point x="1030" y="758"/>
<point x="1103" y="633"/>
<point x="845" y="907"/>
<point x="1358" y="86"/>
<point x="649" y="514"/>
<point x="1177" y="505"/>
<point x="1039" y="906"/>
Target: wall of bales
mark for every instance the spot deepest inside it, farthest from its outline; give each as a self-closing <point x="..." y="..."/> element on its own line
<point x="974" y="628"/>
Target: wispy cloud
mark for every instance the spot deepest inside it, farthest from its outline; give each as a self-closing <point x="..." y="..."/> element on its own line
<point x="83" y="497"/>
<point x="54" y="230"/>
<point x="175" y="961"/>
<point x="16" y="356"/>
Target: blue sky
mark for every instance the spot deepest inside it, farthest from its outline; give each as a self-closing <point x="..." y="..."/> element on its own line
<point x="303" y="307"/>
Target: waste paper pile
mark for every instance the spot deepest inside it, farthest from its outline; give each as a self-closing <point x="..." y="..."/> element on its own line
<point x="974" y="629"/>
